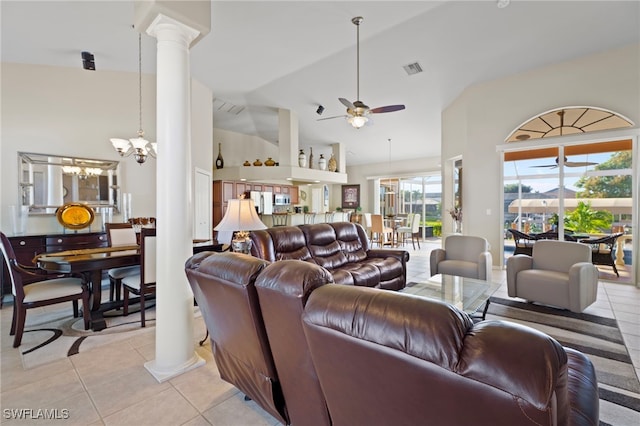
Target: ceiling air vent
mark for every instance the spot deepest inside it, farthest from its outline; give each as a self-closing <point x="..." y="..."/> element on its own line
<point x="413" y="68"/>
<point x="220" y="105"/>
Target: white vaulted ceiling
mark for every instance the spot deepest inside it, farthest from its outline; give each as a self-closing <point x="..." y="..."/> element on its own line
<point x="265" y="55"/>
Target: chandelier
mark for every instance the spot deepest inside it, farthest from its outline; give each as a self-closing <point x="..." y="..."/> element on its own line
<point x="139" y="146"/>
<point x="82" y="172"/>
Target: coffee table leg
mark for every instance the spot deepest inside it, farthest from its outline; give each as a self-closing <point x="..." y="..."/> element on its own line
<point x="486" y="308"/>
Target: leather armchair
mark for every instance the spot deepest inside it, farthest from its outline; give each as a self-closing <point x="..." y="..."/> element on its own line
<point x="558" y="273"/>
<point x="224" y="286"/>
<point x="387" y="358"/>
<point x="463" y="255"/>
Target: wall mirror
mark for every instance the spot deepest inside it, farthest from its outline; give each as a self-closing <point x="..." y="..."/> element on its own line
<point x="49" y="181"/>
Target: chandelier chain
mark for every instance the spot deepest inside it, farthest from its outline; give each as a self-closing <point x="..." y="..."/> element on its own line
<point x="140" y="131"/>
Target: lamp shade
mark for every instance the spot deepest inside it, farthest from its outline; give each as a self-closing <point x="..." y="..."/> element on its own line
<point x="241" y="215"/>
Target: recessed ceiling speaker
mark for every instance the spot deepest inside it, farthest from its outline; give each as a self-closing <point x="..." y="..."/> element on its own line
<point x="88" y="62"/>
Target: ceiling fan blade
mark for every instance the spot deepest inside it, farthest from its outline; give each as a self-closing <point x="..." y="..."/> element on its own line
<point x="329" y="118"/>
<point x="579" y="163"/>
<point x="388" y="108"/>
<point x="548" y="166"/>
<point x="346" y="103"/>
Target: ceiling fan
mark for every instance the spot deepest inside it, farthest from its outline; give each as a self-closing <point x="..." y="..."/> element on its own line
<point x="357" y="112"/>
<point x="566" y="162"/>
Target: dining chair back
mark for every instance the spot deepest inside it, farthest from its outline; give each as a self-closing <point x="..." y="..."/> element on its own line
<point x="410" y="230"/>
<point x="280" y="219"/>
<point x="378" y="230"/>
<point x="143" y="283"/>
<point x="120" y="234"/>
<point x="59" y="288"/>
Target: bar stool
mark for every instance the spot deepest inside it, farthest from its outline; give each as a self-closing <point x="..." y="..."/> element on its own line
<point x="280" y="219"/>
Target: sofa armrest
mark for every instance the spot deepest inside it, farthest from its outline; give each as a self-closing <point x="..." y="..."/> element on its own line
<point x="515" y="264"/>
<point x="582" y="390"/>
<point x="485" y="264"/>
<point x="583" y="286"/>
<point x="401" y="255"/>
<point x="437" y="256"/>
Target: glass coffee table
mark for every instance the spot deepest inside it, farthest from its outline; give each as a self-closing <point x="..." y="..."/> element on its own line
<point x="466" y="294"/>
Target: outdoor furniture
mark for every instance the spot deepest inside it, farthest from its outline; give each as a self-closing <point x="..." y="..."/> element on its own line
<point x="463" y="255"/>
<point x="558" y="273"/>
<point x="602" y="250"/>
<point x="524" y="242"/>
<point x="553" y="235"/>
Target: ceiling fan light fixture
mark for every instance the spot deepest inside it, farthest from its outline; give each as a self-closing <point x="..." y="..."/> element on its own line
<point x="357" y="121"/>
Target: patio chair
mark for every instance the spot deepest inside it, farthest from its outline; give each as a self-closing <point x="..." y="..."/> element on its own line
<point x="602" y="250"/>
<point x="524" y="242"/>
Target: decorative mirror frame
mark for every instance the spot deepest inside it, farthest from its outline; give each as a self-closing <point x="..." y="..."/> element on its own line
<point x="47" y="181"/>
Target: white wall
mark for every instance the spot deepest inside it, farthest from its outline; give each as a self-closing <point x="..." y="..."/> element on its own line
<point x="484" y="115"/>
<point x="68" y="111"/>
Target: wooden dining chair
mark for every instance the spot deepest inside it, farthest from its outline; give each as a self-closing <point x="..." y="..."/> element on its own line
<point x="120" y="234"/>
<point x="143" y="283"/>
<point x="378" y="230"/>
<point x="48" y="291"/>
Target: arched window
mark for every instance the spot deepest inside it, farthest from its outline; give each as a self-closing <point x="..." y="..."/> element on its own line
<point x="568" y="121"/>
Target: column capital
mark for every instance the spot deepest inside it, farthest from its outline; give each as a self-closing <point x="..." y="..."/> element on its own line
<point x="163" y="24"/>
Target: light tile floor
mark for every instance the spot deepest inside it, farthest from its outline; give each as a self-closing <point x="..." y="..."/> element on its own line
<point x="110" y="386"/>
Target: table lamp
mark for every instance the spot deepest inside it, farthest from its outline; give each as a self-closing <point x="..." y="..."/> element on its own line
<point x="240" y="217"/>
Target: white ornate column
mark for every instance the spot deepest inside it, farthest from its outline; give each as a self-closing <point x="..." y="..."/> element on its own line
<point x="175" y="352"/>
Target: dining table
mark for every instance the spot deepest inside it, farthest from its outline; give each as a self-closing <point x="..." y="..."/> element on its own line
<point x="90" y="262"/>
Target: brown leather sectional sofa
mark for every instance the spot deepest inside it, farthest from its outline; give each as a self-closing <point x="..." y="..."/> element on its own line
<point x="316" y="353"/>
<point x="340" y="247"/>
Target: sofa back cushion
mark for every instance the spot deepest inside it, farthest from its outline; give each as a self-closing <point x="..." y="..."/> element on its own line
<point x="559" y="256"/>
<point x="428" y="357"/>
<point x="283" y="289"/>
<point x="224" y="286"/>
<point x="464" y="247"/>
<point x="323" y="245"/>
<point x="280" y="243"/>
<point x="352" y="239"/>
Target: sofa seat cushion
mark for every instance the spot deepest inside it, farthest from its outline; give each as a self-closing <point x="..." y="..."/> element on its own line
<point x="549" y="287"/>
<point x="461" y="268"/>
<point x="389" y="267"/>
<point x="363" y="274"/>
<point x="342" y="276"/>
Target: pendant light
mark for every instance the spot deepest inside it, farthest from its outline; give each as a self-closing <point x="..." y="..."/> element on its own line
<point x="138" y="146"/>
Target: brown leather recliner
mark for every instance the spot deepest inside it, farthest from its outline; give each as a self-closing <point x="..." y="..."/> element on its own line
<point x="283" y="289"/>
<point x="387" y="358"/>
<point x="224" y="286"/>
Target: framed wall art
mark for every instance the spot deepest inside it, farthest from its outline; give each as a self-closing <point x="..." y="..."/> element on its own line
<point x="350" y="196"/>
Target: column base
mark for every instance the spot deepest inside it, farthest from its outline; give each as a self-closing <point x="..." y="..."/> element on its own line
<point x="162" y="375"/>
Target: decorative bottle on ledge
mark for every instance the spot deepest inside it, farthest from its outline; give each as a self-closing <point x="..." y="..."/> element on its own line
<point x="302" y="159"/>
<point x="322" y="162"/>
<point x="219" y="160"/>
<point x="311" y="158"/>
<point x="333" y="164"/>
